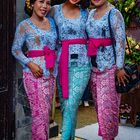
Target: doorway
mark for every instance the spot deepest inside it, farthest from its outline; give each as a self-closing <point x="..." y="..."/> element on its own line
<point x="7" y="26"/>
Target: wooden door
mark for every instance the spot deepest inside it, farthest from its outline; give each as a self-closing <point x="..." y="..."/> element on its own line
<point x="7" y="68"/>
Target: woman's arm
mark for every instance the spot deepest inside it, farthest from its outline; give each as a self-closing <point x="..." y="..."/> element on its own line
<point x="118" y="27"/>
<point x="19" y="39"/>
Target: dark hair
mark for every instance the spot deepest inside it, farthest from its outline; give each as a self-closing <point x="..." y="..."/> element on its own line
<point x="83" y="3"/>
<point x="28" y="7"/>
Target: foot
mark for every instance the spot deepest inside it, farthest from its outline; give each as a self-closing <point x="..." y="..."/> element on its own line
<point x="86" y="103"/>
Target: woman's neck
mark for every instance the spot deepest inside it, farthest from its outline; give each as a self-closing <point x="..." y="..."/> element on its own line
<point x="103" y="7"/>
<point x="69" y="6"/>
<point x="37" y="18"/>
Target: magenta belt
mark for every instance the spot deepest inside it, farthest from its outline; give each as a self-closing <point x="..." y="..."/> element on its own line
<point x="63" y="65"/>
<point x="94" y="43"/>
<point x="50" y="56"/>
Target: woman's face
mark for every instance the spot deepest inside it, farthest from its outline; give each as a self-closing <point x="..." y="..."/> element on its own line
<point x="98" y="3"/>
<point x="74" y="1"/>
<point x="41" y="7"/>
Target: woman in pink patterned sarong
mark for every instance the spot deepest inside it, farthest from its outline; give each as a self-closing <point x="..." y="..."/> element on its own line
<point x="39" y="70"/>
<point x="100" y="50"/>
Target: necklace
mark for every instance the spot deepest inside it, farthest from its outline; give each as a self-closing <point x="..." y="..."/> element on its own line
<point x="44" y="24"/>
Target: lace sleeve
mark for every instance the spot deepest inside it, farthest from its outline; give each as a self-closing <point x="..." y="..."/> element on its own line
<point x="19" y="39"/>
<point x="118" y="27"/>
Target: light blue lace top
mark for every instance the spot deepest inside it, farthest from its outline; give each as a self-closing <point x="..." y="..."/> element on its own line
<point x="72" y="29"/>
<point x="35" y="39"/>
<point x="98" y="28"/>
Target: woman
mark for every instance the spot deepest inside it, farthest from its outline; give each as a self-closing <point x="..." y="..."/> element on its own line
<point x="39" y="71"/>
<point x="100" y="49"/>
<point x="74" y="65"/>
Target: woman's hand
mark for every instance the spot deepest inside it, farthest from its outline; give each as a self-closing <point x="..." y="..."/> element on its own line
<point x="122" y="76"/>
<point x="35" y="69"/>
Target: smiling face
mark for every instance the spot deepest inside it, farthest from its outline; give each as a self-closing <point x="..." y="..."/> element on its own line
<point x="74" y="1"/>
<point x="98" y="3"/>
<point x="41" y="8"/>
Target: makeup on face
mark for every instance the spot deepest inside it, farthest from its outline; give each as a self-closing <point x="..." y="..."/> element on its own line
<point x="41" y="7"/>
<point x="98" y="3"/>
<point x="74" y="1"/>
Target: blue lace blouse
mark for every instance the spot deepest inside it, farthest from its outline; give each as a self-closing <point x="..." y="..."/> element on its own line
<point x="35" y="39"/>
<point x="98" y="28"/>
<point x="72" y="29"/>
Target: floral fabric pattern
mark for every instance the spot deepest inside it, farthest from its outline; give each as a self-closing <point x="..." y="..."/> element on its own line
<point x="72" y="29"/>
<point x="99" y="28"/>
<point x="79" y="68"/>
<point x="78" y="80"/>
<point x="40" y="95"/>
<point x="107" y="102"/>
<point x="27" y="33"/>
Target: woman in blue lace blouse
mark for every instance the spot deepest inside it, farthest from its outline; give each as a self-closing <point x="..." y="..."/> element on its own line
<point x="74" y="65"/>
<point x="100" y="50"/>
<point x="39" y="70"/>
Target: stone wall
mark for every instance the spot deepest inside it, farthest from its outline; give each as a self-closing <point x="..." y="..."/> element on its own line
<point x="20" y="15"/>
<point x="22" y="110"/>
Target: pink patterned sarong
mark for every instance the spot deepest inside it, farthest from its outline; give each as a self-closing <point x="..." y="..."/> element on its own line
<point x="40" y="93"/>
<point x="107" y="102"/>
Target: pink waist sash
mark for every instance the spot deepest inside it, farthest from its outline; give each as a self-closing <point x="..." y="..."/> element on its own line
<point x="63" y="65"/>
<point x="94" y="43"/>
<point x="50" y="56"/>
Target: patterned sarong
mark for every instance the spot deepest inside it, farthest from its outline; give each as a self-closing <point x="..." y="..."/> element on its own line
<point x="40" y="93"/>
<point x="78" y="80"/>
<point x="107" y="102"/>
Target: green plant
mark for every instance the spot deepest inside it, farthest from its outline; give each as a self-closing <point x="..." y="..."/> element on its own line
<point x="134" y="55"/>
<point x="130" y="10"/>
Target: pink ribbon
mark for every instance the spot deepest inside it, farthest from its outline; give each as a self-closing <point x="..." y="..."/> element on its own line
<point x="63" y="65"/>
<point x="50" y="56"/>
<point x="95" y="43"/>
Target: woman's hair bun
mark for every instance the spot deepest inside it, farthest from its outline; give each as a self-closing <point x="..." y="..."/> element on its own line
<point x="28" y="7"/>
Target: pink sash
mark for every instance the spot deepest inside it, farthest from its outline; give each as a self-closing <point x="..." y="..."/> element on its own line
<point x="50" y="56"/>
<point x="63" y="65"/>
<point x="94" y="43"/>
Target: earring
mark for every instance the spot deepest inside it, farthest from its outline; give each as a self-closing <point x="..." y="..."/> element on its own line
<point x="78" y="5"/>
<point x="30" y="7"/>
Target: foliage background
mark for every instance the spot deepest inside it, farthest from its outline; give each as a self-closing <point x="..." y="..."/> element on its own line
<point x="130" y="10"/>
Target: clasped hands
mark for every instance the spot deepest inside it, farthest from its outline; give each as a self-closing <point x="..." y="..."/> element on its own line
<point x="36" y="70"/>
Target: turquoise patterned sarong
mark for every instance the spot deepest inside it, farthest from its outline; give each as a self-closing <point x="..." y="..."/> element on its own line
<point x="78" y="80"/>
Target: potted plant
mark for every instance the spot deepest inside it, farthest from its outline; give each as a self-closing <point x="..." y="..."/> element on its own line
<point x="124" y="113"/>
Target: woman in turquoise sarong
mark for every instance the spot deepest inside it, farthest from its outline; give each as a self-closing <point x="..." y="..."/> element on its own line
<point x="74" y="65"/>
